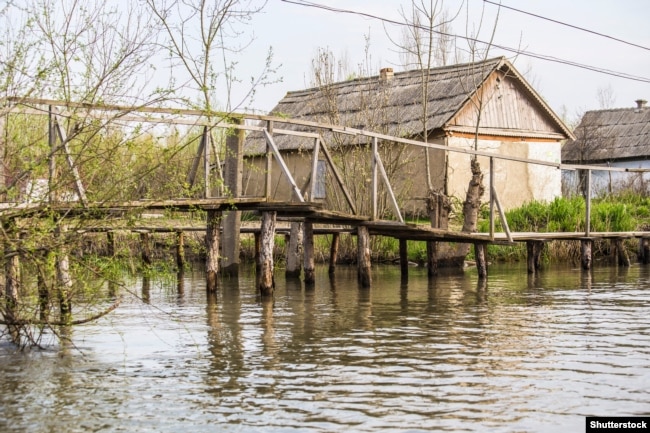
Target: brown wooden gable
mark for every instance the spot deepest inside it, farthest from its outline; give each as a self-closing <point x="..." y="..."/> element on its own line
<point x="508" y="109"/>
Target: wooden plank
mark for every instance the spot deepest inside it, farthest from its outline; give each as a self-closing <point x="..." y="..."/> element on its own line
<point x="283" y="165"/>
<point x="81" y="191"/>
<point x="191" y="176"/>
<point x="391" y="194"/>
<point x="314" y="169"/>
<point x="337" y="176"/>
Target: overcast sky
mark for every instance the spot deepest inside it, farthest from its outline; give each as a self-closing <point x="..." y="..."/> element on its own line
<point x="297" y="32"/>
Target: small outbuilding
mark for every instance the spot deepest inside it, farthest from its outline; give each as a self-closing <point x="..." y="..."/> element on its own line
<point x="615" y="138"/>
<point x="486" y="106"/>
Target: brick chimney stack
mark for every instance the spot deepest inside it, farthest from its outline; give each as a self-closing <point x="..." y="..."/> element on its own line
<point x="386" y="74"/>
<point x="640" y="104"/>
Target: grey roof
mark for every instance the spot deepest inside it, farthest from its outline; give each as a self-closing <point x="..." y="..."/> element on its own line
<point x="610" y="135"/>
<point x="393" y="107"/>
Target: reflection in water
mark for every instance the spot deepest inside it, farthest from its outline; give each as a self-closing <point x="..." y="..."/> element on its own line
<point x="454" y="353"/>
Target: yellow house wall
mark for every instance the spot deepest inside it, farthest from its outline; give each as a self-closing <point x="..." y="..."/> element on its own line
<point x="516" y="182"/>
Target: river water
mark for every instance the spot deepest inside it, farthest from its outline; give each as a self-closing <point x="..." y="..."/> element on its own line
<point x="522" y="354"/>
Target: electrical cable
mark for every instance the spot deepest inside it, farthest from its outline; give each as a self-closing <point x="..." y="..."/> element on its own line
<point x="502" y="47"/>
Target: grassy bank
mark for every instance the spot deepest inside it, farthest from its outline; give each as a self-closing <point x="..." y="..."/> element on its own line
<point x="622" y="212"/>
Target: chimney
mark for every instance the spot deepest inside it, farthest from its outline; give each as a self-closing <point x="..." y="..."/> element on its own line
<point x="640" y="104"/>
<point x="386" y="74"/>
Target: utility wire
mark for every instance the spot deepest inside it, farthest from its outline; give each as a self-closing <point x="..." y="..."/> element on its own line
<point x="567" y="25"/>
<point x="502" y="47"/>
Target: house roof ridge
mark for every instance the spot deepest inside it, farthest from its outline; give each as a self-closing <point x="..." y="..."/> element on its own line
<point x="494" y="62"/>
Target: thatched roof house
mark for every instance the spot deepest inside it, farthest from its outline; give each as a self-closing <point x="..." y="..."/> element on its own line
<point x="617" y="138"/>
<point x="512" y="119"/>
<point x="605" y="136"/>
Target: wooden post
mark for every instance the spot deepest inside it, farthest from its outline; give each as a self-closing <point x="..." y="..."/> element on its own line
<point x="334" y="252"/>
<point x="12" y="269"/>
<point x="180" y="250"/>
<point x="44" y="277"/>
<point x="212" y="250"/>
<point x="294" y="251"/>
<point x="588" y="205"/>
<point x="534" y="250"/>
<point x="146" y="248"/>
<point x="266" y="281"/>
<point x="644" y="250"/>
<point x="64" y="280"/>
<point x="621" y="253"/>
<point x="403" y="257"/>
<point x="258" y="261"/>
<point x="308" y="242"/>
<point x="432" y="258"/>
<point x="363" y="257"/>
<point x="110" y="243"/>
<point x="481" y="260"/>
<point x="233" y="175"/>
<point x="269" y="164"/>
<point x="585" y="249"/>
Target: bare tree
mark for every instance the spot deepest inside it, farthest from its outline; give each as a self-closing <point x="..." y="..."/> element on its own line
<point x="202" y="38"/>
<point x="606" y="97"/>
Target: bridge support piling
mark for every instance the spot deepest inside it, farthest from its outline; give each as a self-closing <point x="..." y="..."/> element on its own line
<point x="621" y="253"/>
<point x="363" y="257"/>
<point x="309" y="253"/>
<point x="403" y="258"/>
<point x="145" y="244"/>
<point x="432" y="258"/>
<point x="12" y="270"/>
<point x="294" y="251"/>
<point x="266" y="280"/>
<point x="586" y="253"/>
<point x="180" y="250"/>
<point x="110" y="243"/>
<point x="481" y="260"/>
<point x="534" y="250"/>
<point x="212" y="237"/>
<point x="334" y="252"/>
<point x="644" y="250"/>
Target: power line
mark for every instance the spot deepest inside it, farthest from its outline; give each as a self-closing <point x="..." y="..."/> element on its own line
<point x="502" y="47"/>
<point x="567" y="25"/>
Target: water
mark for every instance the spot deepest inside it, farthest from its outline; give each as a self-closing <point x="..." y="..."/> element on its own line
<point x="522" y="354"/>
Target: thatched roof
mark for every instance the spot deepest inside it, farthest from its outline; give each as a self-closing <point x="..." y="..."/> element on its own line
<point x="610" y="135"/>
<point x="394" y="106"/>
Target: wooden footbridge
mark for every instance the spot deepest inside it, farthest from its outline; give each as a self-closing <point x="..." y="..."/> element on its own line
<point x="308" y="214"/>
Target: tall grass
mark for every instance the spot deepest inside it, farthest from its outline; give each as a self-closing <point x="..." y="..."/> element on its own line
<point x="615" y="213"/>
